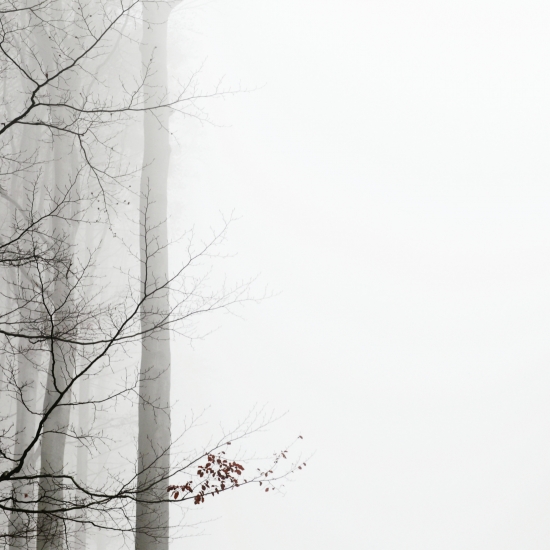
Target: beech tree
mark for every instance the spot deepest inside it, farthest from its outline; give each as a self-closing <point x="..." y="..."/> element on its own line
<point x="154" y="425"/>
<point x="74" y="351"/>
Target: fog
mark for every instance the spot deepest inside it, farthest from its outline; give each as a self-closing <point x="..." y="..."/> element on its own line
<point x="389" y="171"/>
<point x="355" y="264"/>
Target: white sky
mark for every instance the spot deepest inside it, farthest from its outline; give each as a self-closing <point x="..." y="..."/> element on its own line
<point x="392" y="179"/>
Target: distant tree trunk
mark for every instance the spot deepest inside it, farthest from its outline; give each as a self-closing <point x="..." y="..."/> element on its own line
<point x="152" y="520"/>
<point x="21" y="527"/>
<point x="82" y="455"/>
<point x="51" y="528"/>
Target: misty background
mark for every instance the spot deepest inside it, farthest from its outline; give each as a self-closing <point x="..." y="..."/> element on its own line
<point x="390" y="176"/>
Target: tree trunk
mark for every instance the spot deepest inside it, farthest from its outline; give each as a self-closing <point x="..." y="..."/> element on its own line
<point x="51" y="528"/>
<point x="21" y="526"/>
<point x="80" y="535"/>
<point x="152" y="519"/>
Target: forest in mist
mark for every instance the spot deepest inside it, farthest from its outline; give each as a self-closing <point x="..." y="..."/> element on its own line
<point x="90" y="297"/>
<point x="274" y="274"/>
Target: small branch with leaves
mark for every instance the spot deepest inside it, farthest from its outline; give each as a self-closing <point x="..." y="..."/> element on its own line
<point x="221" y="474"/>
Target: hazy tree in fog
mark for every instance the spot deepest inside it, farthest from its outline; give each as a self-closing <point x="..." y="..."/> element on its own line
<point x="70" y="343"/>
<point x="154" y="439"/>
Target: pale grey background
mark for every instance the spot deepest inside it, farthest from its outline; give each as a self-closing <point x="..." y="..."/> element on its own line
<point x="392" y="179"/>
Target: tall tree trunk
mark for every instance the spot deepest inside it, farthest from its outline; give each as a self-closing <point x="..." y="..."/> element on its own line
<point x="21" y="527"/>
<point x="51" y="528"/>
<point x="152" y="519"/>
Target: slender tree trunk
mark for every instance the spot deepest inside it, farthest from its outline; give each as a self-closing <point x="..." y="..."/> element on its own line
<point x="80" y="534"/>
<point x="21" y="527"/>
<point x="51" y="528"/>
<point x="152" y="520"/>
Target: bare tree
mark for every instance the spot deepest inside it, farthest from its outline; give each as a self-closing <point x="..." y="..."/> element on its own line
<point x="154" y="440"/>
<point x="70" y="344"/>
<point x="78" y="336"/>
